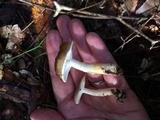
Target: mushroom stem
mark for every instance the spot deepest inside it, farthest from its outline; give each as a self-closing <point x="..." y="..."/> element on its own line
<point x="64" y="62"/>
<point x="95" y="68"/>
<point x="97" y="92"/>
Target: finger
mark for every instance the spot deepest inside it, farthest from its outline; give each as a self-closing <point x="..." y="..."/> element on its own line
<point x="60" y="88"/>
<point x="98" y="48"/>
<point x="102" y="54"/>
<point x="62" y="25"/>
<point x="78" y="33"/>
<point x="46" y="114"/>
<point x="53" y="41"/>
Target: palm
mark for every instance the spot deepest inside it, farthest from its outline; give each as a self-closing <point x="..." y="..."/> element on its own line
<point x="101" y="107"/>
<point x="89" y="48"/>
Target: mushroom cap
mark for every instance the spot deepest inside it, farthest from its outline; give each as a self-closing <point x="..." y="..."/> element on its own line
<point x="79" y="91"/>
<point x="62" y="63"/>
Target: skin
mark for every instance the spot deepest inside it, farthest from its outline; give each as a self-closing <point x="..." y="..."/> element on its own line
<point x="88" y="47"/>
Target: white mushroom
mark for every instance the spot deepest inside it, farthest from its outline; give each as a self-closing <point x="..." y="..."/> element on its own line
<point x="64" y="62"/>
<point x="98" y="92"/>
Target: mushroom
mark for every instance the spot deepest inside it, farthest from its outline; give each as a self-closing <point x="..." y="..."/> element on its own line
<point x="98" y="92"/>
<point x="64" y="62"/>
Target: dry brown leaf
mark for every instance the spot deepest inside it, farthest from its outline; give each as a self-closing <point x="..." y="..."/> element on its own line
<point x="148" y="8"/>
<point x="13" y="33"/>
<point x="157" y="18"/>
<point x="40" y="15"/>
<point x="149" y="4"/>
<point x="131" y="5"/>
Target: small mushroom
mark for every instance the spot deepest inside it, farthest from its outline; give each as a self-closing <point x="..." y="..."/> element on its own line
<point x="98" y="92"/>
<point x="64" y="62"/>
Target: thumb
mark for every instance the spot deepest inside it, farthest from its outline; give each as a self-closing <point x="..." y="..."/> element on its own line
<point x="46" y="114"/>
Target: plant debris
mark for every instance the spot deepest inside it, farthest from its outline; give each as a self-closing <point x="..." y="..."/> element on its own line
<point x="14" y="35"/>
<point x="40" y="14"/>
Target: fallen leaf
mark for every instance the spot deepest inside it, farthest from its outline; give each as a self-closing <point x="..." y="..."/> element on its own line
<point x="40" y="15"/>
<point x="131" y="5"/>
<point x="13" y="33"/>
<point x="148" y="5"/>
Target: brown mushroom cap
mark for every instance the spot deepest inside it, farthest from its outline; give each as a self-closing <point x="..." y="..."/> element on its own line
<point x="62" y="64"/>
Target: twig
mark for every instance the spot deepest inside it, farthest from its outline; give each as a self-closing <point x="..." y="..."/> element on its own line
<point x="25" y="52"/>
<point x="12" y="98"/>
<point x="127" y="40"/>
<point x="90" y="6"/>
<point x="60" y="8"/>
<point x="85" y="13"/>
<point x="153" y="42"/>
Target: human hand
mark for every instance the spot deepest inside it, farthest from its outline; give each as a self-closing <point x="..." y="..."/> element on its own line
<point x="88" y="47"/>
